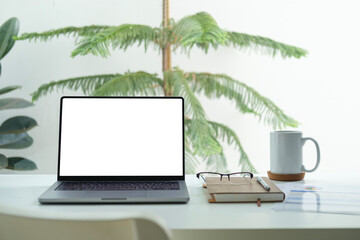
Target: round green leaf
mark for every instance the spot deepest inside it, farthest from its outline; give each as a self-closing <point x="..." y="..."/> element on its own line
<point x="20" y="163"/>
<point x="17" y="125"/>
<point x="6" y="139"/>
<point x="3" y="161"/>
<point x="9" y="103"/>
<point x="7" y="31"/>
<point x="21" y="143"/>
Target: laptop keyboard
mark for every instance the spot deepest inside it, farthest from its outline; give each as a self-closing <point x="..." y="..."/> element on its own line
<point x="117" y="186"/>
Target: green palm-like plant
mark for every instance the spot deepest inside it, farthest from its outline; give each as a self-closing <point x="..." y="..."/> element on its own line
<point x="200" y="30"/>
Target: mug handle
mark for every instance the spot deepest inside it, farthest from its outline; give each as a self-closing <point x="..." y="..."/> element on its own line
<point x="303" y="140"/>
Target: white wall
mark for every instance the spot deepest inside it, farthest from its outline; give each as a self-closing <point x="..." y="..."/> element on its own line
<point x="320" y="90"/>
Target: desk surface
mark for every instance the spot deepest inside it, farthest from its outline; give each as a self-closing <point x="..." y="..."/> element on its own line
<point x="20" y="192"/>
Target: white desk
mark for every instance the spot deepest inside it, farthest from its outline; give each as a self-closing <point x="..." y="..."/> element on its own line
<point x="196" y="220"/>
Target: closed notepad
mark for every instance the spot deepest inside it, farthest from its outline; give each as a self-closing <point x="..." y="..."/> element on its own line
<point x="240" y="189"/>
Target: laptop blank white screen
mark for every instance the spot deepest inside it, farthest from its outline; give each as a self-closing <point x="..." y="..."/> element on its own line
<point x="121" y="137"/>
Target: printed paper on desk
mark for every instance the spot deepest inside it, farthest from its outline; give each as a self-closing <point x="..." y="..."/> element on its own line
<point x="338" y="199"/>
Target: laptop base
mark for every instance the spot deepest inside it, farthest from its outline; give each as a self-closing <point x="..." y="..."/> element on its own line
<point x="141" y="196"/>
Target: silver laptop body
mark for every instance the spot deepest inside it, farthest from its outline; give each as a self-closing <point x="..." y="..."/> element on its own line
<point x="109" y="143"/>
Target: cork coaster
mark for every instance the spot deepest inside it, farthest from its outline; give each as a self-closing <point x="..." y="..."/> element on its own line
<point x="286" y="177"/>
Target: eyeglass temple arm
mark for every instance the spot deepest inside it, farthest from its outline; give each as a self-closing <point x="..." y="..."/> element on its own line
<point x="199" y="175"/>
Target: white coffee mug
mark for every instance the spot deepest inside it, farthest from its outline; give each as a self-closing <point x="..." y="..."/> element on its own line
<point x="286" y="152"/>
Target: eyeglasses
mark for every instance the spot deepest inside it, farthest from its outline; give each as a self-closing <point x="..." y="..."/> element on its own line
<point x="204" y="175"/>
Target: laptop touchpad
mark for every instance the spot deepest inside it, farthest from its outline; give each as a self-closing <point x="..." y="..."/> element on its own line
<point x="115" y="194"/>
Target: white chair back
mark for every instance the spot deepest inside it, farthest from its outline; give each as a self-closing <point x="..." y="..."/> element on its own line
<point x="127" y="226"/>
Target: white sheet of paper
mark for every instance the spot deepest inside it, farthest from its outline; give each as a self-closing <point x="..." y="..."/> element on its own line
<point x="340" y="199"/>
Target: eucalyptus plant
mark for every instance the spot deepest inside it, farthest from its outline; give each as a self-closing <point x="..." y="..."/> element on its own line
<point x="203" y="136"/>
<point x="13" y="131"/>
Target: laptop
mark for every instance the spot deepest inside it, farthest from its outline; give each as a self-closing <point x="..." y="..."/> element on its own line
<point x="120" y="150"/>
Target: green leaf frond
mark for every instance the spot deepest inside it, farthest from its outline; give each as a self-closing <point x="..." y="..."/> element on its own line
<point x="201" y="30"/>
<point x="131" y="84"/>
<point x="199" y="131"/>
<point x="87" y="84"/>
<point x="227" y="135"/>
<point x="67" y="31"/>
<point x="247" y="100"/>
<point x="180" y="87"/>
<point x="216" y="162"/>
<point x="263" y="45"/>
<point x="212" y="86"/>
<point x="120" y="37"/>
<point x="191" y="161"/>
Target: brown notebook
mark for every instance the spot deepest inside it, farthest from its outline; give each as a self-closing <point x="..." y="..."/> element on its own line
<point x="241" y="189"/>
